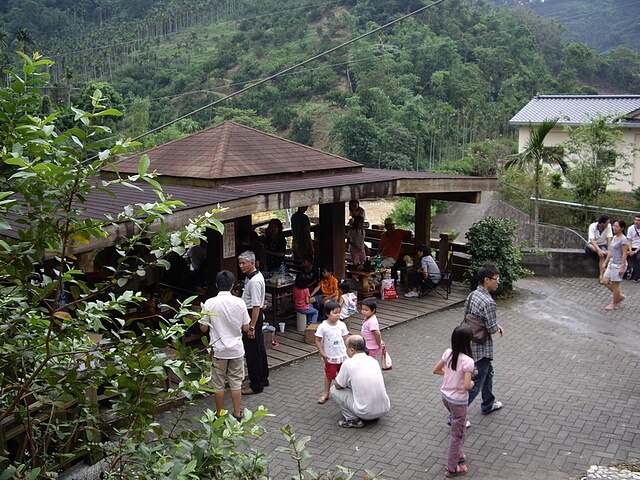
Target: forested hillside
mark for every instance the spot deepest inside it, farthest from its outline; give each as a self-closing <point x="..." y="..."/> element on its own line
<point x="602" y="25"/>
<point x="434" y="91"/>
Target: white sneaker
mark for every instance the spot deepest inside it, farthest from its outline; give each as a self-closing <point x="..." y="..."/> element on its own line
<point x="494" y="407"/>
<point x="412" y="294"/>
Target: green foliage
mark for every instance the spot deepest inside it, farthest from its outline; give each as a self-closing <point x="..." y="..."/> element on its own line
<point x="420" y="94"/>
<point x="298" y="450"/>
<point x="492" y="241"/>
<point x="404" y="211"/>
<point x="50" y="357"/>
<point x="598" y="156"/>
<point x="302" y="131"/>
<point x="215" y="447"/>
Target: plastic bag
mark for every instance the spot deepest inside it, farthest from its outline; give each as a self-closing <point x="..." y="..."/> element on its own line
<point x="388" y="290"/>
<point x="385" y="361"/>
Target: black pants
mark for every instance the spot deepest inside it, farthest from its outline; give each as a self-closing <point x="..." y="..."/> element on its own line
<point x="256" y="356"/>
<point x="634" y="263"/>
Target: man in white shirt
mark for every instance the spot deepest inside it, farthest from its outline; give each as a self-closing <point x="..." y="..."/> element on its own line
<point x="359" y="388"/>
<point x="633" y="234"/>
<point x="226" y="319"/>
<point x="600" y="235"/>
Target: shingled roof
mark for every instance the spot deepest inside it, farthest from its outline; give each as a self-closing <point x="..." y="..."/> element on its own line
<point x="578" y="109"/>
<point x="232" y="153"/>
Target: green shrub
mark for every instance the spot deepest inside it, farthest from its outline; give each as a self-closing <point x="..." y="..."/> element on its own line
<point x="492" y="241"/>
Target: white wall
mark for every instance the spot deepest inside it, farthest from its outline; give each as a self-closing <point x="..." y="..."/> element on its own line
<point x="630" y="135"/>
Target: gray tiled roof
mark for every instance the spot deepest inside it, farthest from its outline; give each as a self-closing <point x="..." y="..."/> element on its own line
<point x="578" y="109"/>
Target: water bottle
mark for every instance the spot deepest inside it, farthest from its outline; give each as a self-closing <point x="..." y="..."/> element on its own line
<point x="282" y="270"/>
<point x="378" y="263"/>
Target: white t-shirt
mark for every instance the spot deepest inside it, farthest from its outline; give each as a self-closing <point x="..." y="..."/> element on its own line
<point x="349" y="305"/>
<point x="333" y="341"/>
<point x="228" y="314"/>
<point x="633" y="234"/>
<point x="600" y="237"/>
<point x="361" y="373"/>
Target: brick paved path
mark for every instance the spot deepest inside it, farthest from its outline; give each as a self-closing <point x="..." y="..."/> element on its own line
<point x="567" y="371"/>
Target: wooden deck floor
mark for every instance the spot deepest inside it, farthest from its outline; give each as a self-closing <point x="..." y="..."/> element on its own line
<point x="291" y="345"/>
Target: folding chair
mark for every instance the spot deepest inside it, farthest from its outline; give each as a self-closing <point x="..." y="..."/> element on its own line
<point x="443" y="287"/>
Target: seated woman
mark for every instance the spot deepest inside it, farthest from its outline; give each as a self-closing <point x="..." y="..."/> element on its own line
<point x="426" y="271"/>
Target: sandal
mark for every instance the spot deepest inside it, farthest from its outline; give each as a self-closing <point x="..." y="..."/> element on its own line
<point x="351" y="423"/>
<point x="323" y="399"/>
<point x="611" y="307"/>
<point x="462" y="459"/>
<point x="460" y="470"/>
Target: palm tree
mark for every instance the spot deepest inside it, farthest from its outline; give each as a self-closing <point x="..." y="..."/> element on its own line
<point x="24" y="38"/>
<point x="535" y="156"/>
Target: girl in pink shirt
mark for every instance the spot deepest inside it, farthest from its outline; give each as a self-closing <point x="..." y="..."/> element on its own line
<point x="457" y="366"/>
<point x="370" y="328"/>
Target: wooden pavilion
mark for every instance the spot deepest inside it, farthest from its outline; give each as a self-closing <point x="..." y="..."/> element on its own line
<point x="248" y="171"/>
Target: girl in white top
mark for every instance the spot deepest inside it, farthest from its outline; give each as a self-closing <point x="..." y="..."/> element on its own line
<point x="348" y="301"/>
<point x="457" y="366"/>
<point x="330" y="337"/>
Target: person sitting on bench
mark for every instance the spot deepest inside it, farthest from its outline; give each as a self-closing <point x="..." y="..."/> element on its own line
<point x="426" y="272"/>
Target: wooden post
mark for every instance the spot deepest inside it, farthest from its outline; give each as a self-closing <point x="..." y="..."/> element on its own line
<point x="423" y="219"/>
<point x="443" y="250"/>
<point x="331" y="233"/>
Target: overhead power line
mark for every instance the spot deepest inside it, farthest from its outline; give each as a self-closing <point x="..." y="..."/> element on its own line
<point x="289" y="69"/>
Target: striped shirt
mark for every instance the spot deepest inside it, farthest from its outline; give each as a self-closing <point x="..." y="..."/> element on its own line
<point x="481" y="304"/>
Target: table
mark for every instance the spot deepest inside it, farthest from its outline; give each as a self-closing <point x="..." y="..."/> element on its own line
<point x="364" y="279"/>
<point x="279" y="291"/>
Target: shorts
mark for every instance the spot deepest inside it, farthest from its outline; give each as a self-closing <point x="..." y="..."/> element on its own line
<point x="613" y="273"/>
<point x="331" y="370"/>
<point x="588" y="250"/>
<point x="227" y="370"/>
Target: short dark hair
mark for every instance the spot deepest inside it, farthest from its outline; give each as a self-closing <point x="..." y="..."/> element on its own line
<point x="344" y="287"/>
<point x="225" y="280"/>
<point x="301" y="282"/>
<point x="604" y="218"/>
<point x="327" y="268"/>
<point x="488" y="270"/>
<point x="330" y="306"/>
<point x="424" y="249"/>
<point x="371" y="303"/>
<point x="307" y="257"/>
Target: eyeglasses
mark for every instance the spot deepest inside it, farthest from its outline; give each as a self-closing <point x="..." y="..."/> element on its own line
<point x="497" y="279"/>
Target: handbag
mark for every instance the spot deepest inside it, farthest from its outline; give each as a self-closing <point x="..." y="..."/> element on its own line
<point x="385" y="361"/>
<point x="478" y="326"/>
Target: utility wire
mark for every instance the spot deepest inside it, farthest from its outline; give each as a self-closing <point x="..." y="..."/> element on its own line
<point x="289" y="69"/>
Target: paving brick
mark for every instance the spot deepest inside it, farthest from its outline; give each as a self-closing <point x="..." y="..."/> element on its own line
<point x="566" y="371"/>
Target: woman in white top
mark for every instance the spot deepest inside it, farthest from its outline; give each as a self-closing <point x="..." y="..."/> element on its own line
<point x="616" y="264"/>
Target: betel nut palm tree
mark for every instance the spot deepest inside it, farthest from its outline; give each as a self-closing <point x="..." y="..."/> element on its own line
<point x="534" y="156"/>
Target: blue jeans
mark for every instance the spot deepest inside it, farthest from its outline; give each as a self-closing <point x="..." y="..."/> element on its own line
<point x="312" y="314"/>
<point x="483" y="381"/>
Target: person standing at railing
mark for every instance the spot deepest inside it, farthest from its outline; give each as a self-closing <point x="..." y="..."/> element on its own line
<point x="600" y="236"/>
<point x="633" y="234"/>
